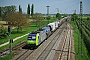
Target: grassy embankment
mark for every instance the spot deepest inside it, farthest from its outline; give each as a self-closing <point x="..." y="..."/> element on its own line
<point x="77" y="36"/>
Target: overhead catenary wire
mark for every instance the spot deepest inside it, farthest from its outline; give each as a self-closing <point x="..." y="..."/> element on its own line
<point x="63" y="10"/>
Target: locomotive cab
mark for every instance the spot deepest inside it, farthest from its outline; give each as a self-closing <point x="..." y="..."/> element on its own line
<point x="32" y="39"/>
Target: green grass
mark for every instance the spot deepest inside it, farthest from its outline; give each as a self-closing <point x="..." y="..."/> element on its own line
<point x="7" y="57"/>
<point x="84" y="16"/>
<point x="76" y="38"/>
<point x="14" y="34"/>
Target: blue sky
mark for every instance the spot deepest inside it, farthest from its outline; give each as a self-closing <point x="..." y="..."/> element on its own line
<point x="64" y="6"/>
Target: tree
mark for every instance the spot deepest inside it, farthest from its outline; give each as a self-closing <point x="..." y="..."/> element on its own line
<point x="32" y="10"/>
<point x="20" y="9"/>
<point x="17" y="20"/>
<point x="58" y="16"/>
<point x="3" y="31"/>
<point x="74" y="16"/>
<point x="28" y="9"/>
<point x="48" y="17"/>
<point x="38" y="18"/>
<point x="7" y="10"/>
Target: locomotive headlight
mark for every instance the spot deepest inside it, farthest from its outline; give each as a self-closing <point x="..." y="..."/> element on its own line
<point x="33" y="37"/>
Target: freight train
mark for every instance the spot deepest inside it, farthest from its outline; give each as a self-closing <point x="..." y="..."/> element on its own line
<point x="37" y="37"/>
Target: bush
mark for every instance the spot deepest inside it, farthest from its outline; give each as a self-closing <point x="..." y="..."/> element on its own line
<point x="48" y="18"/>
<point x="88" y="18"/>
<point x="74" y="17"/>
<point x="3" y="32"/>
<point x="58" y="16"/>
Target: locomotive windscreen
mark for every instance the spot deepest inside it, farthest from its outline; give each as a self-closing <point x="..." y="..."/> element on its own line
<point x="32" y="37"/>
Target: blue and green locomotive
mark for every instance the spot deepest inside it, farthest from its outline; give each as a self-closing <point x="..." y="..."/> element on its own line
<point x="37" y="37"/>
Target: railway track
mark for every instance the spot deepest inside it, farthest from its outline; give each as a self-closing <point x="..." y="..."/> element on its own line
<point x="65" y="50"/>
<point x="65" y="47"/>
<point x="23" y="55"/>
<point x="58" y="46"/>
<point x="17" y="47"/>
<point x="47" y="50"/>
<point x="43" y="50"/>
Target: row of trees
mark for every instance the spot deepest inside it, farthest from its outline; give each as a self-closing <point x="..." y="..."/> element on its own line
<point x="13" y="18"/>
<point x="11" y="9"/>
<point x="20" y="9"/>
<point x="28" y="9"/>
<point x="32" y="10"/>
<point x="20" y="20"/>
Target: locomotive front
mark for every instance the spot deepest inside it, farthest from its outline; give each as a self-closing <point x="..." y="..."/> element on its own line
<point x="32" y="39"/>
